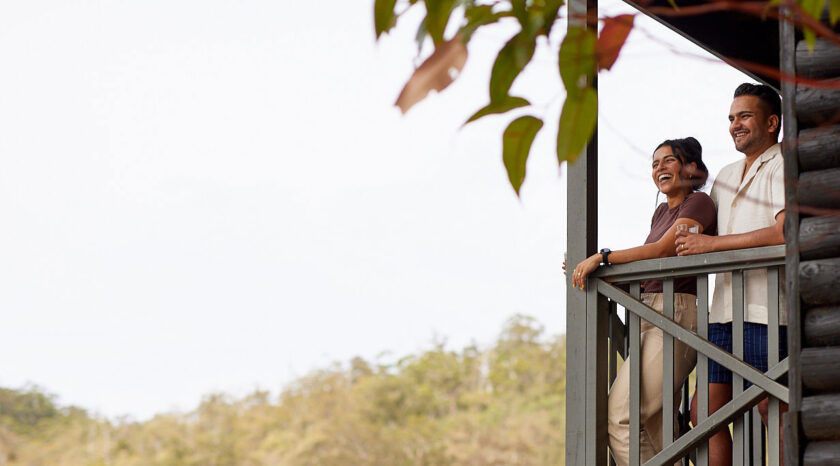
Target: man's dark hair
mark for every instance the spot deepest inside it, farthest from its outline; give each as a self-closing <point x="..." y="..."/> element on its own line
<point x="767" y="95"/>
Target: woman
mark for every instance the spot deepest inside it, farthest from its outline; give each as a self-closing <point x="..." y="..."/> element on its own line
<point x="678" y="172"/>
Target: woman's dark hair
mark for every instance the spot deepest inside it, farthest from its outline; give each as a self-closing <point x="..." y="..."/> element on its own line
<point x="689" y="150"/>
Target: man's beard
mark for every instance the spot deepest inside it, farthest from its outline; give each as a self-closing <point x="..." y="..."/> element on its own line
<point x="745" y="144"/>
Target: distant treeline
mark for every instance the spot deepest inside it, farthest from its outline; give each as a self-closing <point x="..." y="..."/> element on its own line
<point x="502" y="405"/>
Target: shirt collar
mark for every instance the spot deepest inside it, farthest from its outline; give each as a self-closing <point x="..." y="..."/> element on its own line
<point x="771" y="152"/>
<point x="766" y="156"/>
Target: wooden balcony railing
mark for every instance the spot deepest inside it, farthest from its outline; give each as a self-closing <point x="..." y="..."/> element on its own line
<point x="608" y="339"/>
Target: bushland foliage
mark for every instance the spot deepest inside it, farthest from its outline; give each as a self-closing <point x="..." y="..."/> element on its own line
<point x="499" y="405"/>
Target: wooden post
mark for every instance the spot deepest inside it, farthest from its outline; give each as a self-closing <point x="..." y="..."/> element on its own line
<point x="582" y="240"/>
<point x="787" y="65"/>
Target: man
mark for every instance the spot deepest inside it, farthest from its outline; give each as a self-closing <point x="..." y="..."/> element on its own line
<point x="749" y="195"/>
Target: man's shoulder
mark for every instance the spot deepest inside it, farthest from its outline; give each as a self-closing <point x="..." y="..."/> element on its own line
<point x="729" y="171"/>
<point x="731" y="167"/>
<point x="774" y="150"/>
<point x="773" y="155"/>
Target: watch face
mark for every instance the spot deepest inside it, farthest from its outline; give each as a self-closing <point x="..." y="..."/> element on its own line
<point x="604" y="256"/>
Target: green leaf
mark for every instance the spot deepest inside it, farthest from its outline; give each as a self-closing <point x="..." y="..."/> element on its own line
<point x="810" y="38"/>
<point x="529" y="13"/>
<point x="516" y="144"/>
<point x="814" y="9"/>
<point x="437" y="17"/>
<point x="499" y="107"/>
<point x="520" y="11"/>
<point x="577" y="59"/>
<point x="833" y="11"/>
<point x="477" y="16"/>
<point x="535" y="22"/>
<point x="510" y="61"/>
<point x="383" y="16"/>
<point x="420" y="37"/>
<point x="477" y="13"/>
<point x="550" y="11"/>
<point x="577" y="124"/>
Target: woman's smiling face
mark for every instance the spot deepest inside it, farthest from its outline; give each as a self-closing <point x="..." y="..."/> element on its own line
<point x="666" y="171"/>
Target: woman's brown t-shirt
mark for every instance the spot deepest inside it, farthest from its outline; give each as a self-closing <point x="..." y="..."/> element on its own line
<point x="697" y="206"/>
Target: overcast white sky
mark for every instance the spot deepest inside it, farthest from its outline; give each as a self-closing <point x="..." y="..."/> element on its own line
<point x="212" y="195"/>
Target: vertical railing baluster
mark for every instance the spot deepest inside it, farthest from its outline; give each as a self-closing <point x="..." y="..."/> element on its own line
<point x="685" y="406"/>
<point x="667" y="366"/>
<point x="685" y="412"/>
<point x="738" y="351"/>
<point x="613" y="354"/>
<point x="747" y="417"/>
<point x="773" y="441"/>
<point x="634" y="357"/>
<point x="596" y="375"/>
<point x="748" y="436"/>
<point x="626" y="333"/>
<point x="757" y="438"/>
<point x="702" y="390"/>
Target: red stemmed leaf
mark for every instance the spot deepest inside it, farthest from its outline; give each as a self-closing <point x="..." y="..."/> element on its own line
<point x="437" y="72"/>
<point x="612" y="38"/>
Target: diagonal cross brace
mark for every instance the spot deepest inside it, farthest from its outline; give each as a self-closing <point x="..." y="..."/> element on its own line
<point x="691" y="339"/>
<point x="711" y="424"/>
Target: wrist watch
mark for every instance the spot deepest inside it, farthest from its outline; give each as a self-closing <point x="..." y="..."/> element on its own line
<point x="605" y="254"/>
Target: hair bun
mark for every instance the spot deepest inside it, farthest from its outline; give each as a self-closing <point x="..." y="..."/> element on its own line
<point x="693" y="143"/>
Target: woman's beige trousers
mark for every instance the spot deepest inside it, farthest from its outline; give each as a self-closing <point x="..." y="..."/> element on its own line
<point x="685" y="313"/>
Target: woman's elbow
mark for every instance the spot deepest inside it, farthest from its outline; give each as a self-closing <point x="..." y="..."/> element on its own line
<point x="780" y="237"/>
<point x="778" y="234"/>
<point x="665" y="250"/>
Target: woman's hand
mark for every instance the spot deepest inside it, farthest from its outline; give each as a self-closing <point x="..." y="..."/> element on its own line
<point x="584" y="269"/>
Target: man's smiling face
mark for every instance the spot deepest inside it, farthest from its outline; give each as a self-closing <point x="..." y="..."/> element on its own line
<point x="751" y="125"/>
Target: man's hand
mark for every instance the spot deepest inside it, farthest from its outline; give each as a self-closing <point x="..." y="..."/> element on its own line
<point x="687" y="243"/>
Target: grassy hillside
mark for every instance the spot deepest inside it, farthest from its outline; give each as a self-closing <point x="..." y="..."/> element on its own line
<point x="495" y="406"/>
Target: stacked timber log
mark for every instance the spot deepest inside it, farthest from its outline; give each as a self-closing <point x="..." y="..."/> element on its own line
<point x="818" y="153"/>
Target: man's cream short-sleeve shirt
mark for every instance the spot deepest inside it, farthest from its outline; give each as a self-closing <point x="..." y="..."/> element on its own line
<point x="743" y="206"/>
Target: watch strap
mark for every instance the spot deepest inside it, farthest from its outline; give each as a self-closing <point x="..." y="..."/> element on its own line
<point x="605" y="256"/>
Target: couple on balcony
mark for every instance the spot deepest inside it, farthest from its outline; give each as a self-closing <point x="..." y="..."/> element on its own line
<point x="745" y="210"/>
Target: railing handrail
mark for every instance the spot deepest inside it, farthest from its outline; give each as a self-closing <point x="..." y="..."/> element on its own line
<point x="714" y="262"/>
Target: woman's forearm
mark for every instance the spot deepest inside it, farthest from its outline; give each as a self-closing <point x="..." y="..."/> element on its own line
<point x="647" y="251"/>
<point x="662" y="248"/>
<point x="591" y="263"/>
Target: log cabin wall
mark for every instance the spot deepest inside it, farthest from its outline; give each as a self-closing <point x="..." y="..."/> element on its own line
<point x="814" y="251"/>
